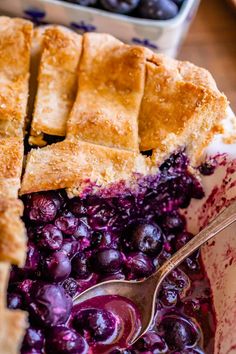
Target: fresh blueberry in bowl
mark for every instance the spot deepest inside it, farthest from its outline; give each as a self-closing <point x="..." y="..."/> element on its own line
<point x="157" y="9"/>
<point x="119" y="6"/>
<point x="51" y="305"/>
<point x="99" y="323"/>
<point x="63" y="340"/>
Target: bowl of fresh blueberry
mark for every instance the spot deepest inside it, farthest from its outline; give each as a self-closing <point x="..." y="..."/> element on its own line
<point x="158" y="24"/>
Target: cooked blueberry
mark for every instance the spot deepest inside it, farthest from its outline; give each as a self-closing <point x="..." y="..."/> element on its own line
<point x="70" y="247"/>
<point x="41" y="207"/>
<point x="14" y="301"/>
<point x="178" y="2"/>
<point x="63" y="340"/>
<point x="138" y="265"/>
<point x="82" y="231"/>
<point x="147" y="238"/>
<point x="207" y="168"/>
<point x="173" y="222"/>
<point x="76" y="206"/>
<point x="67" y="224"/>
<point x="80" y="266"/>
<point x="57" y="266"/>
<point x="32" y="259"/>
<point x="51" y="305"/>
<point x="192" y="264"/>
<point x="182" y="239"/>
<point x="115" y="276"/>
<point x="106" y="239"/>
<point x="33" y="339"/>
<point x="157" y="9"/>
<point x="107" y="261"/>
<point x="177" y="280"/>
<point x="100" y="324"/>
<point x="119" y="6"/>
<point x="25" y="288"/>
<point x="168" y="297"/>
<point x="196" y="189"/>
<point x="151" y="342"/>
<point x="71" y="286"/>
<point x="178" y="333"/>
<point x="50" y="237"/>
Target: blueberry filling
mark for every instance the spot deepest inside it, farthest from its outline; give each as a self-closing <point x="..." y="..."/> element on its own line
<point x="76" y="243"/>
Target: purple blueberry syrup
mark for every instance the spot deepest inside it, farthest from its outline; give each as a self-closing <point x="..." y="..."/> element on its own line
<point x="108" y="322"/>
<point x="76" y="243"/>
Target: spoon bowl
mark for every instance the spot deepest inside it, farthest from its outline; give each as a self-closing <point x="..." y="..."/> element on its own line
<point x="143" y="293"/>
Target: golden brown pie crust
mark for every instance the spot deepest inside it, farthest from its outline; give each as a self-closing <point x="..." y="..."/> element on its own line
<point x="57" y="81"/>
<point x="128" y="100"/>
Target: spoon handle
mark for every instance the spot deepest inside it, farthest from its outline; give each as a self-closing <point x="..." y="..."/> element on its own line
<point x="223" y="220"/>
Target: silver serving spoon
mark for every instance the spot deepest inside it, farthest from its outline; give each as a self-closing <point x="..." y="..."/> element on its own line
<point x="143" y="293"/>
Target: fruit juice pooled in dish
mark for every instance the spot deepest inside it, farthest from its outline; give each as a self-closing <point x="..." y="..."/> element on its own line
<point x="76" y="243"/>
<point x="107" y="322"/>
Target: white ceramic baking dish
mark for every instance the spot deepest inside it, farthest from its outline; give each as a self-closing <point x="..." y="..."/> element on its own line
<point x="162" y="36"/>
<point x="219" y="256"/>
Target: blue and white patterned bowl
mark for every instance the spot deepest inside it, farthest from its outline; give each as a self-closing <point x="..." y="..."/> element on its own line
<point x="161" y="36"/>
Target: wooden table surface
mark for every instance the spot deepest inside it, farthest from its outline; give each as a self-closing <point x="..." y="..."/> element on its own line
<point x="211" y="43"/>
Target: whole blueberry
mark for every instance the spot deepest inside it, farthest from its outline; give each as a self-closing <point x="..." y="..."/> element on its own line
<point x="50" y="237"/>
<point x="105" y="239"/>
<point x="119" y="6"/>
<point x="63" y="340"/>
<point x="101" y="324"/>
<point x="80" y="266"/>
<point x="182" y="239"/>
<point x="147" y="238"/>
<point x="169" y="297"/>
<point x="138" y="265"/>
<point x="71" y="286"/>
<point x="51" y="305"/>
<point x="76" y="206"/>
<point x="178" y="332"/>
<point x="58" y="266"/>
<point x="82" y="230"/>
<point x="107" y="261"/>
<point x="173" y="222"/>
<point x="70" y="247"/>
<point x="151" y="342"/>
<point x="207" y="168"/>
<point x="157" y="9"/>
<point x="14" y="301"/>
<point x="33" y="338"/>
<point x="41" y="207"/>
<point x="67" y="224"/>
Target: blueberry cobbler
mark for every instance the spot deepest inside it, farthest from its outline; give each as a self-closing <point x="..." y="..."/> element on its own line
<point x="113" y="133"/>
